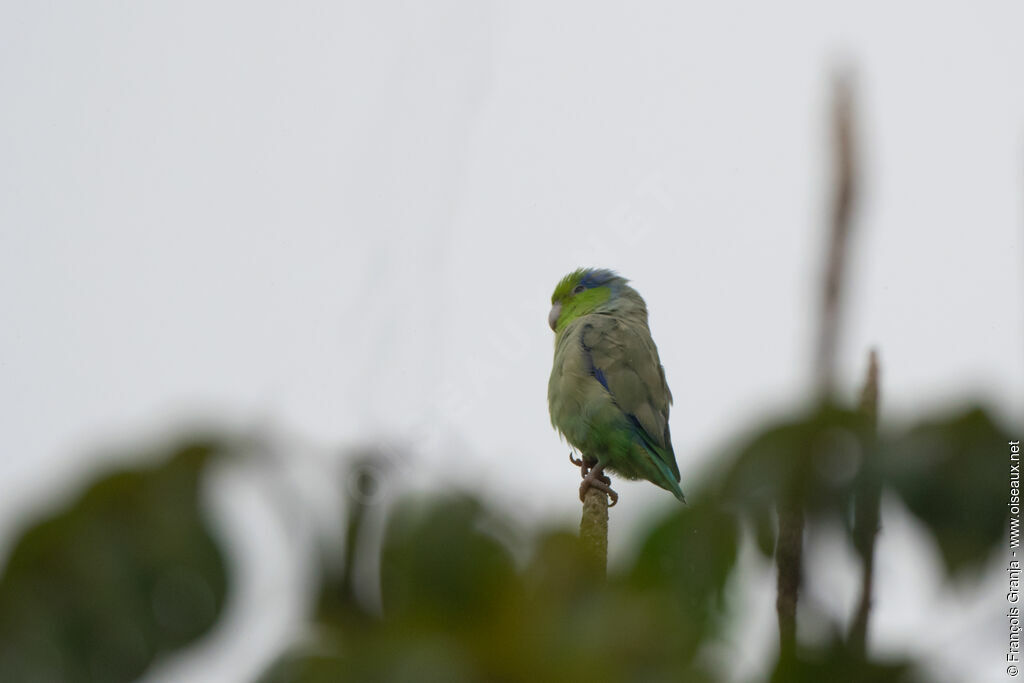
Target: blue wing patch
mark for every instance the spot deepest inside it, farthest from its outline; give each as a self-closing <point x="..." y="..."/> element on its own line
<point x="595" y="371"/>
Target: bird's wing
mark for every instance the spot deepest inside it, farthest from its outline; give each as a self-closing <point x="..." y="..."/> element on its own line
<point x="624" y="359"/>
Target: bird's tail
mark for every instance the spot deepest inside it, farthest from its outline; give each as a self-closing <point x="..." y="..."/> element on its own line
<point x="666" y="478"/>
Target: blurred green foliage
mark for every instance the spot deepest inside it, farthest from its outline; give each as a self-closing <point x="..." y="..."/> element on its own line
<point x="836" y="662"/>
<point x="130" y="572"/>
<point x="457" y="608"/>
<point x="811" y="461"/>
<point x="953" y="473"/>
<point x="123" y="575"/>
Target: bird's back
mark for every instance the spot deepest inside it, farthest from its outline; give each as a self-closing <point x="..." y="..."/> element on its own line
<point x="607" y="375"/>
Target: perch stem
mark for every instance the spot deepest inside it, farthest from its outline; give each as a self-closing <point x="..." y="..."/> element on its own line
<point x="594" y="527"/>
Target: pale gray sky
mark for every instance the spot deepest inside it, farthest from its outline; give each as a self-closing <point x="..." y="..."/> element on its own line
<point x="344" y="220"/>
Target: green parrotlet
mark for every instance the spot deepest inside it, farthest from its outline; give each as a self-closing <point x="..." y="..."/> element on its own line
<point x="607" y="394"/>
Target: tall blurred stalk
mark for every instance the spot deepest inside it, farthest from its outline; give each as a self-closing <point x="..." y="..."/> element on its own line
<point x="843" y="198"/>
<point x="789" y="546"/>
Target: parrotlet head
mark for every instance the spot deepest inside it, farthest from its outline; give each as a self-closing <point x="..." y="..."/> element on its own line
<point x="581" y="292"/>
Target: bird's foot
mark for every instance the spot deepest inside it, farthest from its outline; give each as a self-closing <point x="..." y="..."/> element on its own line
<point x="596" y="479"/>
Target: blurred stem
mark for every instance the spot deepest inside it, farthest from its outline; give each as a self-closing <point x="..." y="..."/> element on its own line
<point x="867" y="509"/>
<point x="789" y="548"/>
<point x="843" y="198"/>
<point x="594" y="527"/>
<point x="361" y="485"/>
<point x="788" y="558"/>
<point x="356" y="515"/>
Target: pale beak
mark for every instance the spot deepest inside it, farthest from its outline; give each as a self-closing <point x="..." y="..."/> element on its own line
<point x="556" y="311"/>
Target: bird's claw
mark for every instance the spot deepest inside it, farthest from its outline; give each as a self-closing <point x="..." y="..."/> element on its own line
<point x="596" y="479"/>
<point x="581" y="463"/>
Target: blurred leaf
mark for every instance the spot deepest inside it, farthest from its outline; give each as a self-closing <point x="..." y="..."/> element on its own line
<point x="953" y="473"/>
<point x="686" y="560"/>
<point x="445" y="582"/>
<point x="307" y="668"/>
<point x="813" y="461"/>
<point x="126" y="574"/>
<point x="837" y="664"/>
<point x="389" y="659"/>
<point x="440" y="563"/>
<point x="574" y="626"/>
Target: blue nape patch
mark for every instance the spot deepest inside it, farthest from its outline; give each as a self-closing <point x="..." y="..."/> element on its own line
<point x="596" y="277"/>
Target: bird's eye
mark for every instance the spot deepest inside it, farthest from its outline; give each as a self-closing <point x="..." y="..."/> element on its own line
<point x="579" y="288"/>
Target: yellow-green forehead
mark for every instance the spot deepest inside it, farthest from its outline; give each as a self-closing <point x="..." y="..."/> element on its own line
<point x="567" y="284"/>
